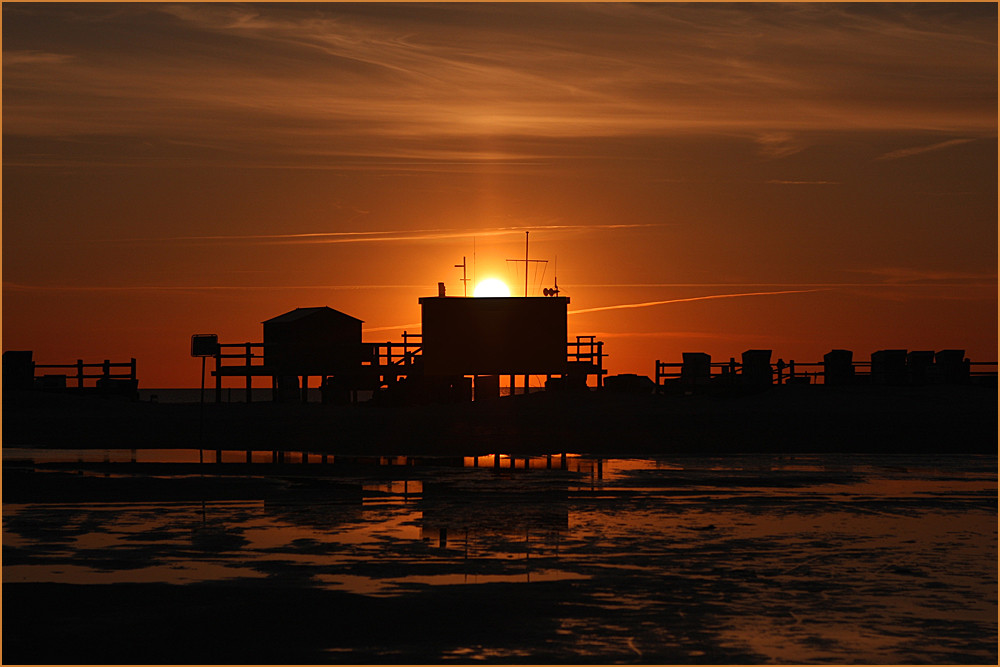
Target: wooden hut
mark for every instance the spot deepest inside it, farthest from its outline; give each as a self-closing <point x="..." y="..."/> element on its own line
<point x="313" y="341"/>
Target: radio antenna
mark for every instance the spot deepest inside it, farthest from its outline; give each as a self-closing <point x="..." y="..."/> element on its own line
<point x="526" y="262"/>
<point x="465" y="281"/>
<point x="554" y="291"/>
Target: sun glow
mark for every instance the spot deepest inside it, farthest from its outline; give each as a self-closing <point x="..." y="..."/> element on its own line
<point x="491" y="287"/>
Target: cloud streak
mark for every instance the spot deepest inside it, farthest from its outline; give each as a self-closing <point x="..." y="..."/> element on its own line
<point x="20" y="287"/>
<point x="896" y="276"/>
<point x="917" y="150"/>
<point x="289" y="84"/>
<point x="976" y="280"/>
<point x="415" y="325"/>
<point x="645" y="304"/>
<point x="648" y="304"/>
<point x="379" y="236"/>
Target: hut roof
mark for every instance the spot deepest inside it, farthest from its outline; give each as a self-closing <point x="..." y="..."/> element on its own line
<point x="303" y="313"/>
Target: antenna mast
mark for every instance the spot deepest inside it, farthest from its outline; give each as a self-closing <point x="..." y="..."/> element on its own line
<point x="526" y="261"/>
<point x="555" y="278"/>
<point x="526" y="264"/>
<point x="554" y="290"/>
<point x="465" y="281"/>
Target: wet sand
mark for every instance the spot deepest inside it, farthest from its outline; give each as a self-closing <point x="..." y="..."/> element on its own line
<point x="694" y="563"/>
<point x="780" y="419"/>
<point x="724" y="560"/>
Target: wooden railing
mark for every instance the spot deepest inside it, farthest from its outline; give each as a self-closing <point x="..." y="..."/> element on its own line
<point x="792" y="372"/>
<point x="246" y="354"/>
<point x="381" y="363"/>
<point x="398" y="354"/>
<point x="590" y="351"/>
<point x="81" y="375"/>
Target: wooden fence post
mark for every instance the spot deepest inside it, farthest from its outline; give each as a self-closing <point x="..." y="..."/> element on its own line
<point x="600" y="363"/>
<point x="249" y="358"/>
<point x="218" y="376"/>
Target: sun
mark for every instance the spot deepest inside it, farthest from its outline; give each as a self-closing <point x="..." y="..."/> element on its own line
<point x="491" y="287"/>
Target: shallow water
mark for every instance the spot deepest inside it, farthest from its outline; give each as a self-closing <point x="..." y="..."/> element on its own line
<point x="840" y="559"/>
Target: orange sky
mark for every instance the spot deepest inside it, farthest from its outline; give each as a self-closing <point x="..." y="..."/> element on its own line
<point x="198" y="168"/>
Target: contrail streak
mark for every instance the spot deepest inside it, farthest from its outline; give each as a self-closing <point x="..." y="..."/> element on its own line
<point x="398" y="326"/>
<point x="647" y="304"/>
<point x="376" y="236"/>
<point x="197" y="288"/>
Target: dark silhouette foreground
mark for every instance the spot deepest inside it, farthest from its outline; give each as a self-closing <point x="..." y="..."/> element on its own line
<point x="928" y="419"/>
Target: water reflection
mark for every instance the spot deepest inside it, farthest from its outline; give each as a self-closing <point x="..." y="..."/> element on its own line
<point x="805" y="559"/>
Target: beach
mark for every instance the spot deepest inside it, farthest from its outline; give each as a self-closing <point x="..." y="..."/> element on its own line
<point x="739" y="559"/>
<point x="790" y="525"/>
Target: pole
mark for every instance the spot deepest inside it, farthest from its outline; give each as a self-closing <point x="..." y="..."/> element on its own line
<point x="526" y="264"/>
<point x="465" y="280"/>
<point x="201" y="415"/>
<point x="218" y="376"/>
<point x="249" y="360"/>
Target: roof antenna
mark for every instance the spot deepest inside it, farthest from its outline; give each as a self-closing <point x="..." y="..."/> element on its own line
<point x="465" y="281"/>
<point x="526" y="262"/>
<point x="554" y="291"/>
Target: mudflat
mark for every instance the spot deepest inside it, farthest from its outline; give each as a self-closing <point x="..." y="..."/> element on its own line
<point x="738" y="559"/>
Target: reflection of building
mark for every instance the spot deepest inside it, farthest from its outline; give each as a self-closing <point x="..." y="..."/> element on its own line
<point x="496" y="513"/>
<point x="327" y="506"/>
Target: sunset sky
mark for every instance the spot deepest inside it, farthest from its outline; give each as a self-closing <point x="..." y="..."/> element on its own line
<point x="172" y="169"/>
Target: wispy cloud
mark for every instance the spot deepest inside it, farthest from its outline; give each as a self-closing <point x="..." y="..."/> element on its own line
<point x="777" y="182"/>
<point x="926" y="279"/>
<point x="778" y="144"/>
<point x="395" y="327"/>
<point x="917" y="150"/>
<point x="384" y="236"/>
<point x="943" y="281"/>
<point x="678" y="335"/>
<point x="905" y="276"/>
<point x="20" y="287"/>
<point x="290" y="84"/>
<point x="15" y="58"/>
<point x="647" y="304"/>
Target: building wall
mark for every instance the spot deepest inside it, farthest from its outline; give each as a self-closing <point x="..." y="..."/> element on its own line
<point x="494" y="336"/>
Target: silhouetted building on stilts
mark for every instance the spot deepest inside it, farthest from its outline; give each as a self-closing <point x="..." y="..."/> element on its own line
<point x="463" y="340"/>
<point x="315" y="342"/>
<point x="489" y="337"/>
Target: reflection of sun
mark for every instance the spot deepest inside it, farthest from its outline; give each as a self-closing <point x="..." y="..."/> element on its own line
<point x="491" y="287"/>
